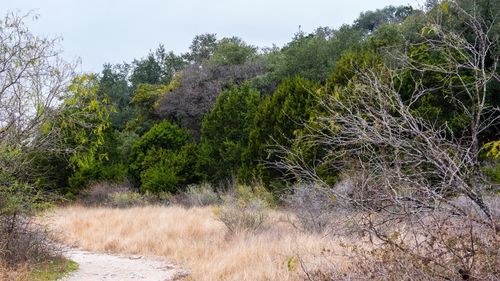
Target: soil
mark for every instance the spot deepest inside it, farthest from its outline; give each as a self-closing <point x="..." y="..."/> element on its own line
<point x="102" y="266"/>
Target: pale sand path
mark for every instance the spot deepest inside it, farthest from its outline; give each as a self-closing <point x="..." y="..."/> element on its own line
<point x="100" y="266"/>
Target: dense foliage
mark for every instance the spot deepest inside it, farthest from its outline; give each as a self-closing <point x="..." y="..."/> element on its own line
<point x="223" y="110"/>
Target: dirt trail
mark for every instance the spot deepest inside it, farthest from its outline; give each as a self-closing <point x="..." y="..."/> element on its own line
<point x="99" y="266"/>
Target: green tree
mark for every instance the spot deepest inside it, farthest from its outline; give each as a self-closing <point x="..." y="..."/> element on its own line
<point x="83" y="122"/>
<point x="201" y="48"/>
<point x="163" y="158"/>
<point x="232" y="51"/>
<point x="224" y="133"/>
<point x="278" y="120"/>
<point x="113" y="82"/>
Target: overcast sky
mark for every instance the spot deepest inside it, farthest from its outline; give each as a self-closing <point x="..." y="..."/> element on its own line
<point x="100" y="31"/>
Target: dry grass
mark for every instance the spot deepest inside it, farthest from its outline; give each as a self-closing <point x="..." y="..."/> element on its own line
<point x="193" y="238"/>
<point x="18" y="273"/>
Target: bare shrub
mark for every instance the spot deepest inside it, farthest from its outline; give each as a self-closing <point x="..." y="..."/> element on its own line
<point x="21" y="239"/>
<point x="128" y="199"/>
<point x="18" y="273"/>
<point x="201" y="195"/>
<point x="245" y="209"/>
<point x="118" y="195"/>
<point x="437" y="248"/>
<point x="415" y="168"/>
<point x="102" y="193"/>
<point x="313" y="206"/>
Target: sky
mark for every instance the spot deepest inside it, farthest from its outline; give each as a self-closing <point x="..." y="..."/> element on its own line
<point x="116" y="31"/>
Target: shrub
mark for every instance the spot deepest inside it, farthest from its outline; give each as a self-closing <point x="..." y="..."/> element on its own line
<point x="201" y="195"/>
<point x="128" y="199"/>
<point x="21" y="240"/>
<point x="168" y="171"/>
<point x="239" y="217"/>
<point x="164" y="135"/>
<point x="245" y="209"/>
<point x="101" y="193"/>
<point x="446" y="249"/>
<point x="312" y="205"/>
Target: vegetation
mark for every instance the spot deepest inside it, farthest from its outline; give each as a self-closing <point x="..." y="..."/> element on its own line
<point x="53" y="270"/>
<point x="387" y="128"/>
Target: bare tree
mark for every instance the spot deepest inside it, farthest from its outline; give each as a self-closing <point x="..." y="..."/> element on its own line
<point x="415" y="170"/>
<point x="200" y="84"/>
<point x="33" y="79"/>
<point x="374" y="125"/>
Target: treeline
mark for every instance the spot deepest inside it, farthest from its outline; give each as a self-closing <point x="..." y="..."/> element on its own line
<point x="224" y="110"/>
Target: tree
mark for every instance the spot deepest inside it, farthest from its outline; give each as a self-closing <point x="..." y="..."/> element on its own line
<point x="146" y="70"/>
<point x="278" y="120"/>
<point x="201" y="48"/>
<point x="82" y="123"/>
<point x="197" y="88"/>
<point x="371" y="20"/>
<point x="413" y="170"/>
<point x="33" y="79"/>
<point x="224" y="133"/>
<point x="313" y="56"/>
<point x="113" y="82"/>
<point x="163" y="159"/>
<point x="232" y="51"/>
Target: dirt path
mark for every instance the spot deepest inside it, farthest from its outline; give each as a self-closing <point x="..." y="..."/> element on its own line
<point x="98" y="266"/>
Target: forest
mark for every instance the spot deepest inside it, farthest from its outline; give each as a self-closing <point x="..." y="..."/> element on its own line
<point x="385" y="131"/>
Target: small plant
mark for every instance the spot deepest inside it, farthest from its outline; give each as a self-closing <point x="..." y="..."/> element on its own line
<point x="246" y="209"/>
<point x="102" y="193"/>
<point x="312" y="205"/>
<point x="128" y="199"/>
<point x="21" y="239"/>
<point x="202" y="195"/>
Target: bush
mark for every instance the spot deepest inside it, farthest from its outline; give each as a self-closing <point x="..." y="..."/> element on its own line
<point x="128" y="199"/>
<point x="239" y="217"/>
<point x="312" y="205"/>
<point x="245" y="209"/>
<point x="21" y="240"/>
<point x="201" y="195"/>
<point x="446" y="249"/>
<point x="164" y="135"/>
<point x="101" y="193"/>
<point x="168" y="171"/>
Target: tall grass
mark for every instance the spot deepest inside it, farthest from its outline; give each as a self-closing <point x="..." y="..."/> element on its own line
<point x="197" y="241"/>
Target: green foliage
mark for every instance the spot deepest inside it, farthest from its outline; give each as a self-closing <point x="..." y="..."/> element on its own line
<point x="163" y="159"/>
<point x="371" y="20"/>
<point x="278" y="120"/>
<point x="312" y="56"/>
<point x="167" y="170"/>
<point x="201" y="48"/>
<point x="232" y="51"/>
<point x="493" y="149"/>
<point x="53" y="269"/>
<point x="146" y="71"/>
<point x="113" y="83"/>
<point x="224" y="133"/>
<point x="81" y="125"/>
<point x="144" y="101"/>
<point x="18" y="199"/>
<point x="492" y="171"/>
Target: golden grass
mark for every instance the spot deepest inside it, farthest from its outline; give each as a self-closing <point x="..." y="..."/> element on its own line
<point x="193" y="238"/>
<point x="18" y="273"/>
